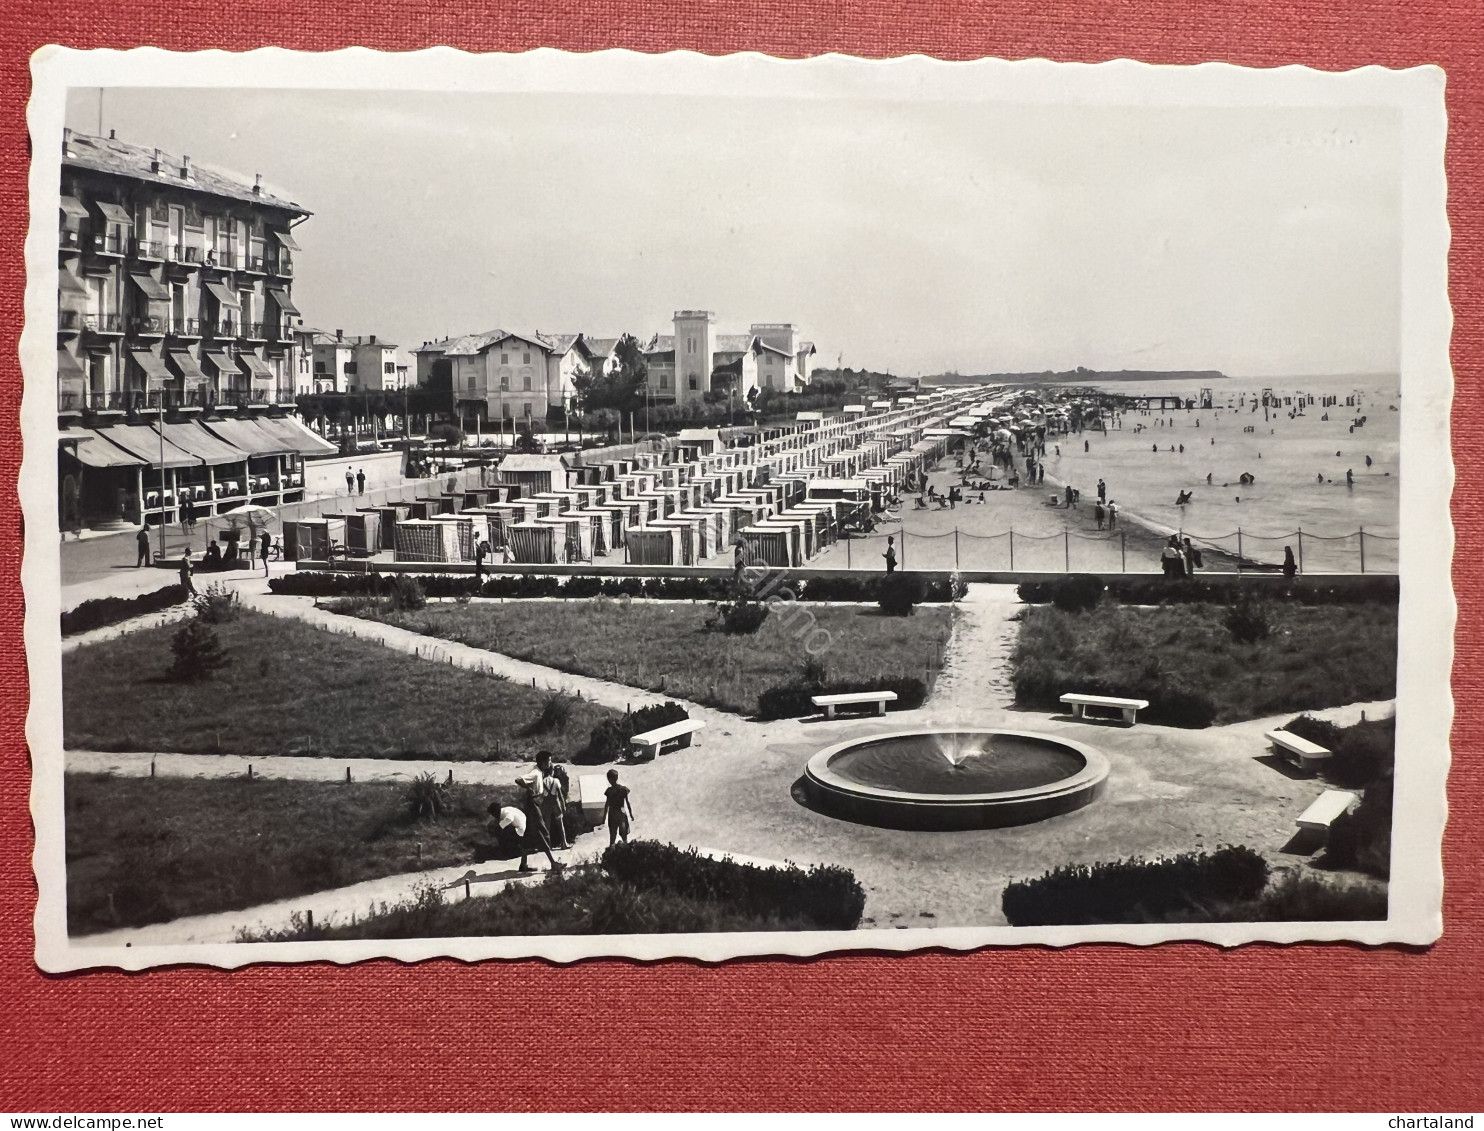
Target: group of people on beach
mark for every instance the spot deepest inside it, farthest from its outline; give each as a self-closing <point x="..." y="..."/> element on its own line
<point x="545" y="792"/>
<point x="1179" y="558"/>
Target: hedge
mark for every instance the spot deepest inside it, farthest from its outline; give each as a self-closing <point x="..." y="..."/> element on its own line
<point x="826" y="895"/>
<point x="102" y="611"/>
<point x="1360" y="754"/>
<point x="864" y="589"/>
<point x="1221" y="589"/>
<point x="792" y="700"/>
<point x="610" y="738"/>
<point x="1137" y="890"/>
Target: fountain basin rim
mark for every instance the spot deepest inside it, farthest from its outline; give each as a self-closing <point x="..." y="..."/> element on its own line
<point x="1094" y="770"/>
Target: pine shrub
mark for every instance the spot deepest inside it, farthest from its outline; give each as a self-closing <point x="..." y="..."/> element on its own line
<point x="198" y="652"/>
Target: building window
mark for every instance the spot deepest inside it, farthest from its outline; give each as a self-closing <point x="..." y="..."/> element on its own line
<point x="526" y="357"/>
<point x="388" y="366"/>
<point x="350" y="368"/>
<point x="504" y="359"/>
<point x="319" y="366"/>
<point x="505" y="377"/>
<point x="525" y="379"/>
<point x="526" y="409"/>
<point x="693" y="383"/>
<point x="664" y="380"/>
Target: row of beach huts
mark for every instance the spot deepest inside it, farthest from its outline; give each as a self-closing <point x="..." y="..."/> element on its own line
<point x="786" y="497"/>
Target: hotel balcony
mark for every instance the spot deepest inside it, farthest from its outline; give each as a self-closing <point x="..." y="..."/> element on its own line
<point x="255" y="331"/>
<point x="152" y="250"/>
<point x="113" y="400"/>
<point x="109" y="243"/>
<point x="282" y="265"/>
<point x="184" y="328"/>
<point x="149" y="326"/>
<point x="222" y="327"/>
<point x="70" y="241"/>
<point x="69" y="322"/>
<point x="224" y="259"/>
<point x="103" y="323"/>
<point x="254" y="264"/>
<point x="185" y="256"/>
<point x="72" y="395"/>
<point x="261" y="395"/>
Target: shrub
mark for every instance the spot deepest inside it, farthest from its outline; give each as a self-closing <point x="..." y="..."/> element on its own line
<point x="958" y="588"/>
<point x="1320" y="731"/>
<point x="198" y="653"/>
<point x="1171" y="703"/>
<point x="794" y="699"/>
<point x="1248" y="620"/>
<point x="609" y="740"/>
<point x="218" y="605"/>
<point x="1148" y="589"/>
<point x="1304" y="895"/>
<point x="741" y="617"/>
<point x="103" y="611"/>
<point x="897" y="593"/>
<point x="1137" y="890"/>
<point x="406" y="593"/>
<point x="1079" y="592"/>
<point x="1362" y="838"/>
<point x="556" y="713"/>
<point x="829" y="896"/>
<point x="426" y="798"/>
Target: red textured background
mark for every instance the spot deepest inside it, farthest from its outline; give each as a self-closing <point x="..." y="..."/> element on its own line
<point x="1327" y="1027"/>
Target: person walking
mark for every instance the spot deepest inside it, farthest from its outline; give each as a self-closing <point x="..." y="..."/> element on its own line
<point x="186" y="570"/>
<point x="265" y="547"/>
<point x="360" y="481"/>
<point x="141" y="543"/>
<point x="1290" y="567"/>
<point x="350" y="481"/>
<point x="481" y="551"/>
<point x="618" y="809"/>
<point x="533" y="834"/>
<point x="1112" y="513"/>
<point x="554" y="787"/>
<point x="1102" y="491"/>
<point x="891" y="554"/>
<point x="1099" y="513"/>
<point x="187" y="512"/>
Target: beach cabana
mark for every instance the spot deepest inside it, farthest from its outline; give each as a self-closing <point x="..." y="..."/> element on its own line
<point x="767" y="545"/>
<point x="574" y="539"/>
<point x="424" y="540"/>
<point x="362" y="532"/>
<point x="652" y="545"/>
<point x="464" y="524"/>
<point x="314" y="538"/>
<point x="533" y="543"/>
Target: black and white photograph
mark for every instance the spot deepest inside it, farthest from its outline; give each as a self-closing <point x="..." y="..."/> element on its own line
<point x="555" y="505"/>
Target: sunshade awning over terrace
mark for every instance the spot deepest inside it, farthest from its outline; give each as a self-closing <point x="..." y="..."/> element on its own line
<point x="92" y="450"/>
<point x="289" y="431"/>
<point x="250" y="436"/>
<point x="209" y="449"/>
<point x="146" y="445"/>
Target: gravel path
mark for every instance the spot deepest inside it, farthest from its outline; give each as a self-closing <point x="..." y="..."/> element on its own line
<point x="975" y="681"/>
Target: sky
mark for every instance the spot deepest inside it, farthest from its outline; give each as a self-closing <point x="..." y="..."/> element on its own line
<point x="916" y="237"/>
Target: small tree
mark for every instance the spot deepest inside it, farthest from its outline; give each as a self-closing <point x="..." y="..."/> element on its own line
<point x="1248" y="620"/>
<point x="198" y="652"/>
<point x="426" y="798"/>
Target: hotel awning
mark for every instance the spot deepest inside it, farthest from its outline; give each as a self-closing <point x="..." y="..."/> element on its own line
<point x="224" y="295"/>
<point x="300" y="439"/>
<point x="223" y="362"/>
<point x="285" y="303"/>
<point x="250" y="436"/>
<point x="152" y="288"/>
<point x="154" y="367"/>
<point x="199" y="442"/>
<point x="256" y="365"/>
<point x="287" y="240"/>
<point x="146" y="445"/>
<point x="114" y="213"/>
<point x="74" y="207"/>
<point x="92" y="450"/>
<point x="186" y="365"/>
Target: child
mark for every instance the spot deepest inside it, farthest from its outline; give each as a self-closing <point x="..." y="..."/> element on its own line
<point x="613" y="809"/>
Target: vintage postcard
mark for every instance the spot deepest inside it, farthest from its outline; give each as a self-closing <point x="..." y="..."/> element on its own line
<point x="672" y="506"/>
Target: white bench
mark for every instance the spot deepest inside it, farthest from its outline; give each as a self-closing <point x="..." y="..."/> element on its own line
<point x="591" y="796"/>
<point x="1129" y="708"/>
<point x="830" y="702"/>
<point x="662" y="740"/>
<point x="1327" y="806"/>
<point x="1306" y="755"/>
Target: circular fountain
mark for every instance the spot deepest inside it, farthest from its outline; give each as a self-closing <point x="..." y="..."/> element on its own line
<point x="954" y="779"/>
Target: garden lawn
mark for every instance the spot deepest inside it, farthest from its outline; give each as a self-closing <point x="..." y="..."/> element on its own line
<point x="1317" y="656"/>
<point x="294" y="689"/>
<point x="667" y="648"/>
<point x="147" y="850"/>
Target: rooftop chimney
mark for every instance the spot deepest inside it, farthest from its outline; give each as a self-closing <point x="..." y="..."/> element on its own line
<point x="339" y="335"/>
<point x="185" y="167"/>
<point x="373" y="339"/>
<point x="154" y="166"/>
<point x="112" y="136"/>
<point x="257" y="188"/>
